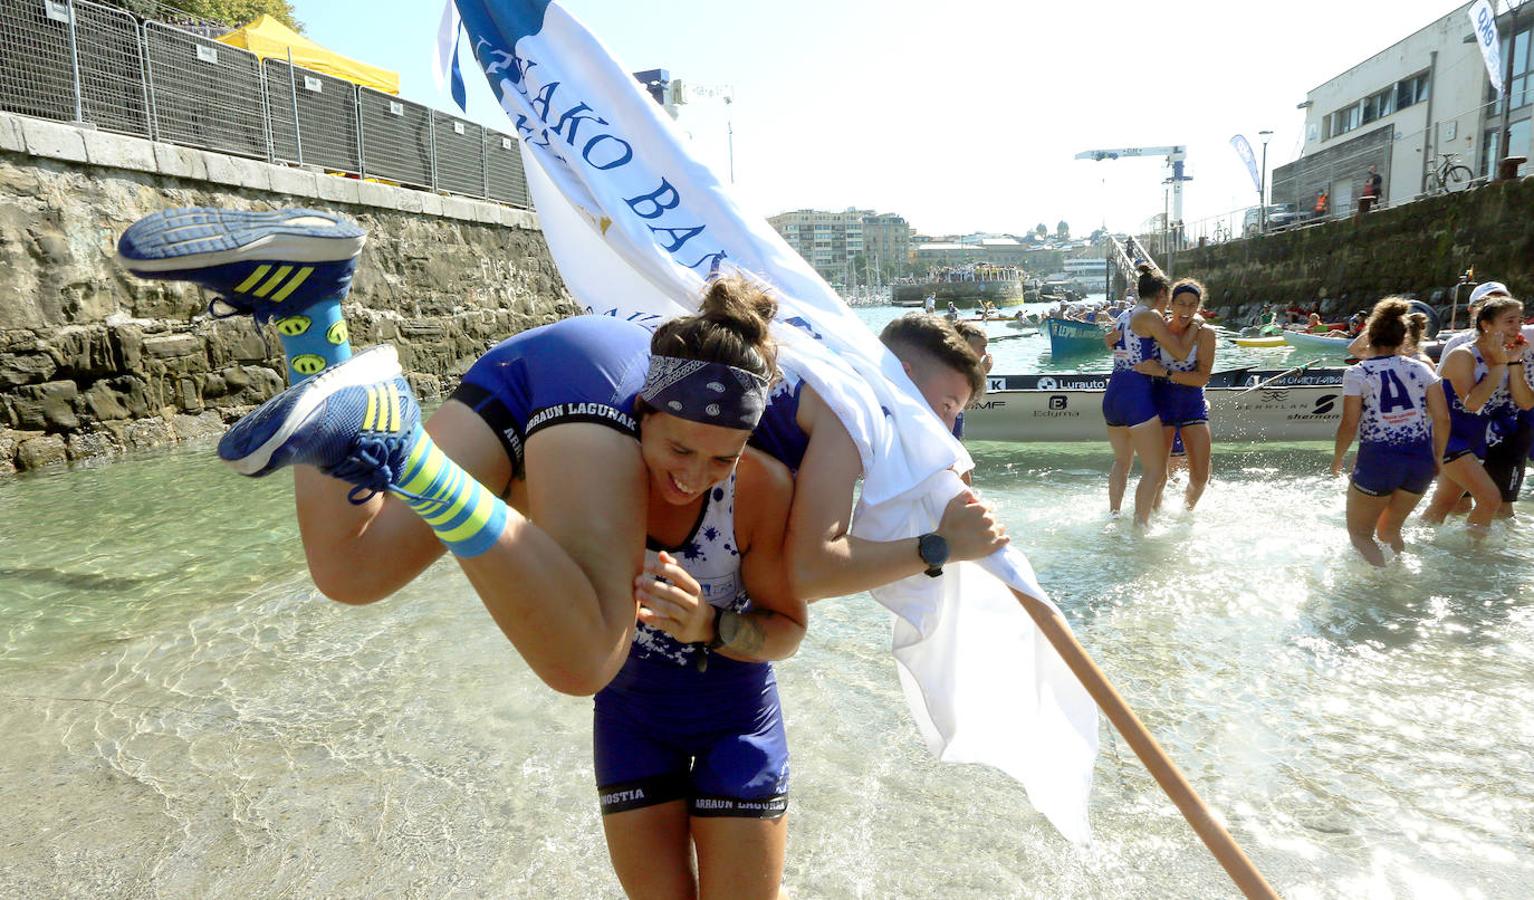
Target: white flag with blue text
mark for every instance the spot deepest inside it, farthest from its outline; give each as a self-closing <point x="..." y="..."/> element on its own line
<point x="636" y="224"/>
<point x="1484" y="24"/>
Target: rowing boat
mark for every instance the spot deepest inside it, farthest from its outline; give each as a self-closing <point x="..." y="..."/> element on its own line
<point x="1298" y="405"/>
<point x="1068" y="337"/>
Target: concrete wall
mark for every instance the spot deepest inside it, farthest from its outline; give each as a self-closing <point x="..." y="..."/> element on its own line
<point x="1418" y="249"/>
<point x="94" y="362"/>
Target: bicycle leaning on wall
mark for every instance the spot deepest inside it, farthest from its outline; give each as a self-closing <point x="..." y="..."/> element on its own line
<point x="1451" y="176"/>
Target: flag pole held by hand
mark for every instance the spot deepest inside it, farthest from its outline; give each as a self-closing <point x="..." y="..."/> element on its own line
<point x="1224" y="847"/>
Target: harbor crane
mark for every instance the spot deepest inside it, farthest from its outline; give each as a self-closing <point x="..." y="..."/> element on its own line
<point x="1175" y="157"/>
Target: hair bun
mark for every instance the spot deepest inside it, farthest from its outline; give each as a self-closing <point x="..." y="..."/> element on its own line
<point x="739" y="304"/>
<point x="732" y="327"/>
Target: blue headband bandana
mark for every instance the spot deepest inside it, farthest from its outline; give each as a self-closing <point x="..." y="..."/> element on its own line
<point x="707" y="392"/>
<point x="1187" y="289"/>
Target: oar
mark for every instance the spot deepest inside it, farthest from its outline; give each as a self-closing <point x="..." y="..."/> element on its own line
<point x="1281" y="375"/>
<point x="1224" y="847"/>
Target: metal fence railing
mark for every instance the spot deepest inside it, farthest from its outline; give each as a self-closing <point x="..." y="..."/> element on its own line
<point x="82" y="62"/>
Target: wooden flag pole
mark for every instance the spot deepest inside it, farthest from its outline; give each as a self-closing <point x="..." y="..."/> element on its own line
<point x="1224" y="847"/>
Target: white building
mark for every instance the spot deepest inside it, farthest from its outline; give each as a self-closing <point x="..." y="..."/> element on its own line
<point x="1090" y="273"/>
<point x="1426" y="95"/>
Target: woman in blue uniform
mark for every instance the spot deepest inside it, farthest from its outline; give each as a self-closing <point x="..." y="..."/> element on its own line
<point x="1129" y="406"/>
<point x="1392" y="404"/>
<point x="688" y="739"/>
<point x="531" y="475"/>
<point x="1479" y="391"/>
<point x="1179" y="388"/>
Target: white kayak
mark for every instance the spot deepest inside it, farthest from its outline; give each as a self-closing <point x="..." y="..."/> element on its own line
<point x="1289" y="406"/>
<point x="1325" y="343"/>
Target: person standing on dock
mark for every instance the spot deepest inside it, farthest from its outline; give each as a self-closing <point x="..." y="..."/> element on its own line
<point x="1392" y="404"/>
<point x="1370" y="196"/>
<point x="1129" y="406"/>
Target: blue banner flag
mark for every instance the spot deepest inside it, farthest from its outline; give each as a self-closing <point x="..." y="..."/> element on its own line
<point x="1244" y="150"/>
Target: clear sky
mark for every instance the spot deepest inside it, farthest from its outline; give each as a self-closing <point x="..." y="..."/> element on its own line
<point x="961" y="115"/>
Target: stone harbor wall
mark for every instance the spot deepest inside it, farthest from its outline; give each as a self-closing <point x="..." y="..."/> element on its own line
<point x="1417" y="249"/>
<point x="94" y="362"/>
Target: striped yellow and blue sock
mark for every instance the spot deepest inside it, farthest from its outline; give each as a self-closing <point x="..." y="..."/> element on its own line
<point x="466" y="516"/>
<point x="313" y="339"/>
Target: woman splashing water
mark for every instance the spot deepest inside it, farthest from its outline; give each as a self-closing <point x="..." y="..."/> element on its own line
<point x="1476" y="383"/>
<point x="1179" y="388"/>
<point x="1129" y="406"/>
<point x="1391" y="402"/>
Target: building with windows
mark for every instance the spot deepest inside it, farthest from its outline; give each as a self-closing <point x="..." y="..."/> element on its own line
<point x="886" y="245"/>
<point x="854" y="246"/>
<point x="1089" y="273"/>
<point x="1400" y="110"/>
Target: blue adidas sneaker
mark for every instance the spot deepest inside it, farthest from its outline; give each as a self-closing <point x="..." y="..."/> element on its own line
<point x="259" y="263"/>
<point x="357" y="422"/>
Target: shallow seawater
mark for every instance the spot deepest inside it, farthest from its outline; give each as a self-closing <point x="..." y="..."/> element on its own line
<point x="1021" y="351"/>
<point x="183" y="715"/>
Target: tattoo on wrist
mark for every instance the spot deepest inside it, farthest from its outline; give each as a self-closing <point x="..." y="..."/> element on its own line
<point x="744" y="634"/>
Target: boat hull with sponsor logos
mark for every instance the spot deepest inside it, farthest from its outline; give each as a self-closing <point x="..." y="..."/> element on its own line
<point x="1284" y="406"/>
<point x="1068" y="337"/>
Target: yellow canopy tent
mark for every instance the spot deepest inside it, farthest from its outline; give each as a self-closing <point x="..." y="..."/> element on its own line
<point x="267" y="37"/>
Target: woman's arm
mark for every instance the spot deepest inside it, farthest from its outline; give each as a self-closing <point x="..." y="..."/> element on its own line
<point x="1200" y="376"/>
<point x="1360" y="347"/>
<point x="764" y="493"/>
<point x="1438" y="413"/>
<point x="824" y="559"/>
<point x="1347" y="429"/>
<point x="1460" y="372"/>
<point x="671" y="600"/>
<point x="1518" y="382"/>
<point x="1151" y="324"/>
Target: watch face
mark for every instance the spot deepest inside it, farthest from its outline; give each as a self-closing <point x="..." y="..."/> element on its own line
<point x="933" y="549"/>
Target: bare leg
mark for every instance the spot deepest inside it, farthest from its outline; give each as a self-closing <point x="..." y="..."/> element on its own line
<point x="1148" y="445"/>
<point x="1197" y="442"/>
<point x="1488" y="497"/>
<point x="1393" y="516"/>
<point x="1363" y="512"/>
<point x="1446" y="496"/>
<point x="651" y="850"/>
<point x="1123" y="460"/>
<point x="740" y="857"/>
<point x="1169" y="433"/>
<point x="361" y="554"/>
<point x="559" y="583"/>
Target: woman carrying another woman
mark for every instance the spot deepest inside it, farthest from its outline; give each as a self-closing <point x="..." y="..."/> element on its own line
<point x="1391" y="403"/>
<point x="1179" y="388"/>
<point x="1476" y="383"/>
<point x="688" y="739"/>
<point x="1129" y="406"/>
